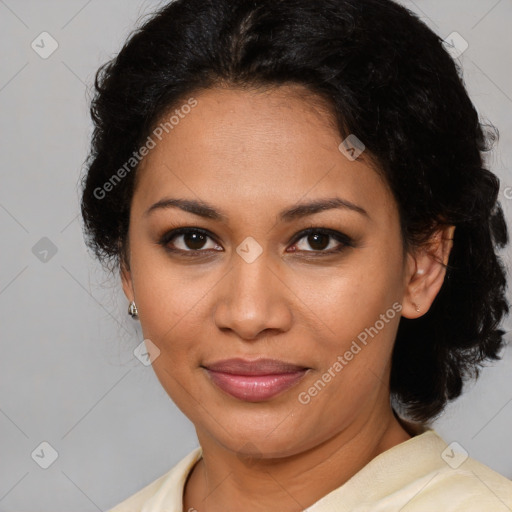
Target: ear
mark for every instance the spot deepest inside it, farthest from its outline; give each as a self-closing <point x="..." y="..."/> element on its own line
<point x="126" y="278"/>
<point x="426" y="273"/>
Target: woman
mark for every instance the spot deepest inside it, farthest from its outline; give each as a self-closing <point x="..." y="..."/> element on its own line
<point x="231" y="138"/>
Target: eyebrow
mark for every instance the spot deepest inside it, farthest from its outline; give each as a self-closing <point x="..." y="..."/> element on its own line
<point x="207" y="211"/>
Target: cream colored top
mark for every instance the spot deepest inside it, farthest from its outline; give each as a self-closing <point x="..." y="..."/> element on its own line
<point x="422" y="474"/>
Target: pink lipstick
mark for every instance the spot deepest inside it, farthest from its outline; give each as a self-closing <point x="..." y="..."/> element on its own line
<point x="254" y="381"/>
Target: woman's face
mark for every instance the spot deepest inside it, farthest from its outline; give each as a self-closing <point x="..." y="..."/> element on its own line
<point x="247" y="285"/>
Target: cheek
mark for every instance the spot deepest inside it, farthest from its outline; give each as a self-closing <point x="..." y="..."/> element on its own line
<point x="164" y="283"/>
<point x="347" y="299"/>
<point x="168" y="312"/>
<point x="169" y="301"/>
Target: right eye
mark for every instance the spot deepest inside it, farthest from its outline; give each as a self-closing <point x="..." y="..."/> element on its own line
<point x="191" y="240"/>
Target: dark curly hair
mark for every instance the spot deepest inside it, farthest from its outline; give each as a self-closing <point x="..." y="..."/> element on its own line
<point x="388" y="79"/>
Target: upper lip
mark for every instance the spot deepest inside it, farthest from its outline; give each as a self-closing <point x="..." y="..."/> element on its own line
<point x="239" y="366"/>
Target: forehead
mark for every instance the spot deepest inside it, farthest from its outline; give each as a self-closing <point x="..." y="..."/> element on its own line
<point x="233" y="124"/>
<point x="243" y="147"/>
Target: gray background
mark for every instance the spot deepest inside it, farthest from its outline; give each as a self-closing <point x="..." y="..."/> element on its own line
<point x="68" y="374"/>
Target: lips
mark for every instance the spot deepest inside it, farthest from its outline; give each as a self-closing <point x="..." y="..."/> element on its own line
<point x="254" y="381"/>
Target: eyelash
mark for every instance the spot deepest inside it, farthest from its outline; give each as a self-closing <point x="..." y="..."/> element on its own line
<point x="343" y="239"/>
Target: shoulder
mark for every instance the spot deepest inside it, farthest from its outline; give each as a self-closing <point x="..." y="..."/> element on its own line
<point x="440" y="476"/>
<point x="422" y="474"/>
<point x="169" y="486"/>
<point x="472" y="487"/>
<point x="481" y="485"/>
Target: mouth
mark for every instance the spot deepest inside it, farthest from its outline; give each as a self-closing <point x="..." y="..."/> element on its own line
<point x="254" y="381"/>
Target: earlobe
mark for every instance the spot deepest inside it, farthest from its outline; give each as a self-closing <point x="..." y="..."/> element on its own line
<point x="126" y="279"/>
<point x="429" y="271"/>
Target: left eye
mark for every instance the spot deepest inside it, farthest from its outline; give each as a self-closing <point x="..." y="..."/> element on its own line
<point x="318" y="239"/>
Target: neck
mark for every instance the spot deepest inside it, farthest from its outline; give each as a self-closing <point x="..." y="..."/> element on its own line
<point x="222" y="479"/>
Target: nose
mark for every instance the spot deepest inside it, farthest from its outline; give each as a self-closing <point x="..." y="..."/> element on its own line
<point x="254" y="300"/>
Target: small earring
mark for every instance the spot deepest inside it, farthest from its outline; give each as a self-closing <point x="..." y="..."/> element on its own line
<point x="416" y="306"/>
<point x="132" y="310"/>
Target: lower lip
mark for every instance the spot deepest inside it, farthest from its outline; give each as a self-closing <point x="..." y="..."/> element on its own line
<point x="255" y="388"/>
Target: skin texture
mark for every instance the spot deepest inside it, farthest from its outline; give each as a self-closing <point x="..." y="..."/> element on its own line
<point x="252" y="154"/>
